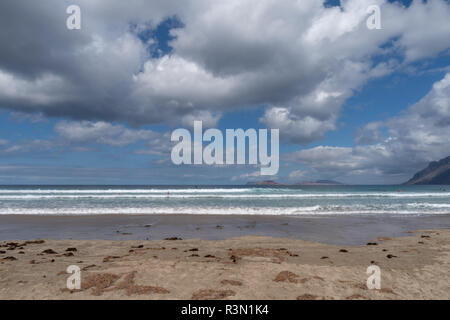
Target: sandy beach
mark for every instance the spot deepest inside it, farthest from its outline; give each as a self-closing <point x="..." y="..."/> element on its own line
<point x="250" y="267"/>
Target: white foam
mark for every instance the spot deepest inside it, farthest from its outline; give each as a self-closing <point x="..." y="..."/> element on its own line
<point x="123" y="195"/>
<point x="429" y="205"/>
<point x="308" y="210"/>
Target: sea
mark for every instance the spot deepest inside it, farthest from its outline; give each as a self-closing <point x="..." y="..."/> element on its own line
<point x="225" y="200"/>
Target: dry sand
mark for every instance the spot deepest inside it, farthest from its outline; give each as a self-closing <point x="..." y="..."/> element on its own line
<point x="253" y="267"/>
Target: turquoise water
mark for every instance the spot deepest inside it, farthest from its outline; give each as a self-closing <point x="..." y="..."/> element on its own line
<point x="240" y="200"/>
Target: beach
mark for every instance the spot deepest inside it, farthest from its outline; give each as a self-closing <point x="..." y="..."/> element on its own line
<point x="160" y="242"/>
<point x="250" y="267"/>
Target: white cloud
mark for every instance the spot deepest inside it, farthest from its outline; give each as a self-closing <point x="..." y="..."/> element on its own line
<point x="83" y="136"/>
<point x="416" y="137"/>
<point x="246" y="176"/>
<point x="25" y="146"/>
<point x="101" y="132"/>
<point x="296" y="174"/>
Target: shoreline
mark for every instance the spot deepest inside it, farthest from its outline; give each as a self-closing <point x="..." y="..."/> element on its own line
<point x="251" y="267"/>
<point x="342" y="229"/>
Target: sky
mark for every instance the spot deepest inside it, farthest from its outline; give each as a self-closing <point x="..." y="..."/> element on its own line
<point x="98" y="105"/>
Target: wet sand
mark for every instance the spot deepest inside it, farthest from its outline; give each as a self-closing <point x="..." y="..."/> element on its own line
<point x="252" y="267"/>
<point x="342" y="229"/>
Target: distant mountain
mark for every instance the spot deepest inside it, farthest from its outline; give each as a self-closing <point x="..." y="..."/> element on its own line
<point x="437" y="172"/>
<point x="319" y="183"/>
<point x="264" y="183"/>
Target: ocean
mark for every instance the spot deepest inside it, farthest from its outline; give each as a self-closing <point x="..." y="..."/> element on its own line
<point x="225" y="200"/>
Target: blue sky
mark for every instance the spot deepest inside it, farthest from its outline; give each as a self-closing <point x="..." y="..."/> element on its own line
<point x="97" y="105"/>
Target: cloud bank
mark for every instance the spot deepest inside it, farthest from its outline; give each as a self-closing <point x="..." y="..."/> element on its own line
<point x="299" y="59"/>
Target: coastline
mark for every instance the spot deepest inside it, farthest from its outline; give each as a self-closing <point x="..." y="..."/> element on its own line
<point x="252" y="267"/>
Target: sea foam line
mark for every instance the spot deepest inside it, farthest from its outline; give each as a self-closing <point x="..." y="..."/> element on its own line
<point x="312" y="210"/>
<point x="221" y="196"/>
